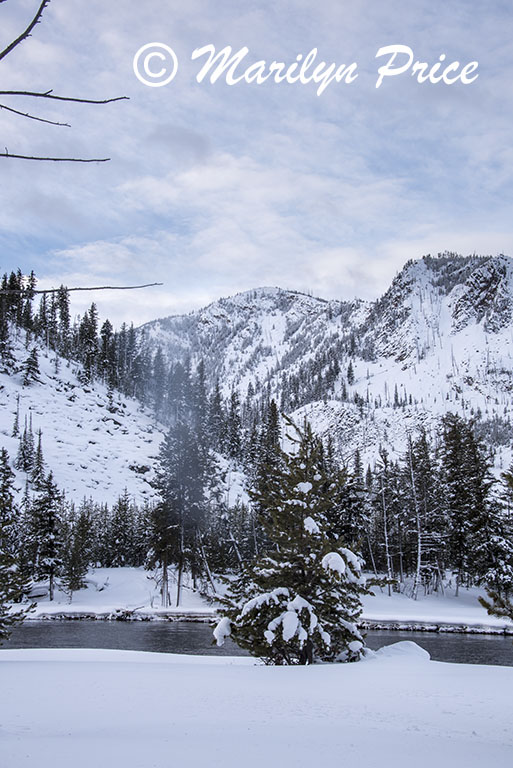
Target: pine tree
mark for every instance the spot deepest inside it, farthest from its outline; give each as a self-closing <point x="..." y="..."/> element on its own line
<point x="162" y="545"/>
<point x="31" y="372"/>
<point x="121" y="532"/>
<point x="216" y="425"/>
<point x="76" y="550"/>
<point x="159" y="382"/>
<point x="16" y="425"/>
<point x="350" y="373"/>
<point x="88" y="343"/>
<point x="25" y="456"/>
<point x="12" y="585"/>
<point x="181" y="481"/>
<point x="9" y="534"/>
<point x="268" y="461"/>
<point x="38" y="467"/>
<point x="492" y="543"/>
<point x="6" y="350"/>
<point x="234" y="427"/>
<point x="498" y="605"/>
<point x="47" y="512"/>
<point x="299" y="602"/>
<point x="64" y="322"/>
<point x="457" y="497"/>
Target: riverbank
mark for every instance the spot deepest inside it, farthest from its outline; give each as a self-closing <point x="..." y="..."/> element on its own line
<point x="395" y="708"/>
<point x="132" y="594"/>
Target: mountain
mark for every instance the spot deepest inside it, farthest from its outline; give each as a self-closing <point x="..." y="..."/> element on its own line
<point x="439" y="339"/>
<point x="96" y="443"/>
<point x="366" y="373"/>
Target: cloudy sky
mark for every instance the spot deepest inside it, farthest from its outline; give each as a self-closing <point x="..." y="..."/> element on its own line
<point x="214" y="189"/>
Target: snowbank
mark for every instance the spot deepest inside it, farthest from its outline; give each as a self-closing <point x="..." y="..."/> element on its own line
<point x="112" y="591"/>
<point x="433" y="610"/>
<point x="128" y="709"/>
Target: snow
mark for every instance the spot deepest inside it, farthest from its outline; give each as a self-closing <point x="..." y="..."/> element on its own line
<point x="433" y="609"/>
<point x="334" y="562"/>
<point x="442" y="334"/>
<point x="94" y="448"/>
<point x="304" y="487"/>
<point x="311" y="526"/>
<point x="290" y="624"/>
<point x="134" y="710"/>
<point x="264" y="599"/>
<point x="134" y="589"/>
<point x="121" y="589"/>
<point x="222" y="631"/>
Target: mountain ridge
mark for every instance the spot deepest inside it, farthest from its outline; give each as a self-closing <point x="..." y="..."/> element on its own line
<point x="438" y="339"/>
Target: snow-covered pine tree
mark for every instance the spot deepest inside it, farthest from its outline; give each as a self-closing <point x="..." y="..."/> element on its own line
<point x="76" y="550"/>
<point x="350" y="373"/>
<point x="491" y="548"/>
<point x="46" y="512"/>
<point x="299" y="602"/>
<point x="11" y="582"/>
<point x="457" y="495"/>
<point x="8" y="526"/>
<point x="31" y="372"/>
<point x="38" y="467"/>
<point x="120" y="532"/>
<point x="6" y="350"/>
<point x="25" y="457"/>
<point x="16" y="425"/>
<point x="234" y="427"/>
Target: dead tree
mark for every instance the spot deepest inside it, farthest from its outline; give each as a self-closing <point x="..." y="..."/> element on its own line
<point x="43" y="95"/>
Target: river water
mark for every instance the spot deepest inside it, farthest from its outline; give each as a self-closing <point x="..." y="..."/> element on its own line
<point x="196" y="638"/>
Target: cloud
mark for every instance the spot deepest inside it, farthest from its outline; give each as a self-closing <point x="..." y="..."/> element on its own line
<point x="213" y="189"/>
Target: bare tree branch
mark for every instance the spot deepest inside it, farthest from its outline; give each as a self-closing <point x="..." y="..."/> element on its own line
<point x="56" y="159"/>
<point x="26" y="33"/>
<point x="50" y="95"/>
<point x="33" y="117"/>
<point x="45" y="95"/>
<point x="9" y="291"/>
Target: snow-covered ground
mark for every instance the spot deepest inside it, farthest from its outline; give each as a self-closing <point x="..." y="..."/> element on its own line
<point x="122" y="589"/>
<point x="147" y="710"/>
<point x="113" y="589"/>
<point x="95" y="447"/>
<point x="434" y="609"/>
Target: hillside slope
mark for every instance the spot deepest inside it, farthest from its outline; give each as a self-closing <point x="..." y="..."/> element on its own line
<point x="96" y="446"/>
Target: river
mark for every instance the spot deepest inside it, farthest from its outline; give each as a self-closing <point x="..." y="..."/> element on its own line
<point x="196" y="638"/>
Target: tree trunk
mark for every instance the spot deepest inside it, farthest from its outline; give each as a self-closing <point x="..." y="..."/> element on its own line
<point x="164" y="588"/>
<point x="236" y="548"/>
<point x="416" y="580"/>
<point x="387" y="548"/>
<point x="205" y="563"/>
<point x="371" y="553"/>
<point x="180" y="568"/>
<point x="306" y="653"/>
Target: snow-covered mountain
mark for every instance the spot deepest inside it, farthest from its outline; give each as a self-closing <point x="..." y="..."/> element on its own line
<point x="96" y="445"/>
<point x="440" y="338"/>
<point x="367" y="373"/>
